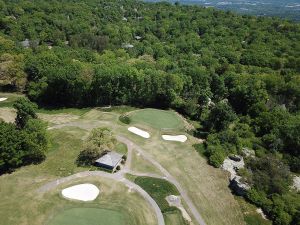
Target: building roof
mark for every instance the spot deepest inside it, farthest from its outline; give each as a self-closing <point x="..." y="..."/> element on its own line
<point x="110" y="159"/>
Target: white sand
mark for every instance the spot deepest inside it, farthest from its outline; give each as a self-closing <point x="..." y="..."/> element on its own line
<point x="81" y="192"/>
<point x="179" y="138"/>
<point x="139" y="132"/>
<point x="2" y="99"/>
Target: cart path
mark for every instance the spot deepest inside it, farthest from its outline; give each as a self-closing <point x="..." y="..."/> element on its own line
<point x="167" y="176"/>
<point x="119" y="176"/>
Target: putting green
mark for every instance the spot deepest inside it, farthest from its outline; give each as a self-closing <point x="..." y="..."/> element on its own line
<point x="157" y="118"/>
<point x="88" y="216"/>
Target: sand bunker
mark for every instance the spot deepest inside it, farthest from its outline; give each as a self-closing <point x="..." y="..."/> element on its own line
<point x="179" y="138"/>
<point x="2" y="99"/>
<point x="81" y="192"/>
<point x="139" y="132"/>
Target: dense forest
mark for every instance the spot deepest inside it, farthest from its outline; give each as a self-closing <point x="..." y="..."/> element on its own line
<point x="239" y="76"/>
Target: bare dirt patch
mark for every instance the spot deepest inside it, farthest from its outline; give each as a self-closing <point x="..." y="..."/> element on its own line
<point x="58" y="118"/>
<point x="7" y="114"/>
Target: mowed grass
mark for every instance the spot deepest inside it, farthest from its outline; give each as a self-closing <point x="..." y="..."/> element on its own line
<point x="174" y="218"/>
<point x="205" y="185"/>
<point x="22" y="204"/>
<point x="159" y="119"/>
<point x="90" y="216"/>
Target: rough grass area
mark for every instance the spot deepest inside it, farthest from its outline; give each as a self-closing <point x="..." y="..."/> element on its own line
<point x="158" y="119"/>
<point x="251" y="216"/>
<point x="139" y="164"/>
<point x="11" y="97"/>
<point x="206" y="186"/>
<point x="22" y="204"/>
<point x="174" y="218"/>
<point x="90" y="216"/>
<point x="158" y="189"/>
<point x="74" y="111"/>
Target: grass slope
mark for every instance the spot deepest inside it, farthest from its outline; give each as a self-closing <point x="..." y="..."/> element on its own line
<point x="158" y="189"/>
<point x="206" y="186"/>
<point x="90" y="216"/>
<point x="158" y="119"/>
<point x="22" y="205"/>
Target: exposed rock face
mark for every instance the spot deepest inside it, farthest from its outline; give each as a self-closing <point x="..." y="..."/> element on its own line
<point x="296" y="183"/>
<point x="232" y="164"/>
<point x="248" y="152"/>
<point x="238" y="186"/>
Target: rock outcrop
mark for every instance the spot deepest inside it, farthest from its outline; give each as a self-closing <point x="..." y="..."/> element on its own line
<point x="232" y="164"/>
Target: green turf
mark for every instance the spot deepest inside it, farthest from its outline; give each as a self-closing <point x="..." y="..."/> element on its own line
<point x="88" y="216"/>
<point x="158" y="189"/>
<point x="11" y="98"/>
<point x="157" y="118"/>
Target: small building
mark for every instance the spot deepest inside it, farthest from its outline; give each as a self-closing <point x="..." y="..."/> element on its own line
<point x="111" y="160"/>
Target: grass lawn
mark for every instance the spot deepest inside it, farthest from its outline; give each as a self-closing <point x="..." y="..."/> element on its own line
<point x="11" y="97"/>
<point x="139" y="164"/>
<point x="174" y="218"/>
<point x="251" y="216"/>
<point x="205" y="185"/>
<point x="158" y="119"/>
<point x="21" y="204"/>
<point x="158" y="189"/>
<point x="74" y="111"/>
<point x="90" y="216"/>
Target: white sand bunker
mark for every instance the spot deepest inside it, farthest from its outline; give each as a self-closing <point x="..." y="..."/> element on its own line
<point x="81" y="192"/>
<point x="179" y="138"/>
<point x="2" y="99"/>
<point x="139" y="132"/>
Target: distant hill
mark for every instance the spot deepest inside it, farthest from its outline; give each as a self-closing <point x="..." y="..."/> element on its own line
<point x="289" y="9"/>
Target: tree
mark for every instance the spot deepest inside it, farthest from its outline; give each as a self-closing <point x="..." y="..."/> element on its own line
<point x="269" y="175"/>
<point x="220" y="116"/>
<point x="98" y="143"/>
<point x="25" y="111"/>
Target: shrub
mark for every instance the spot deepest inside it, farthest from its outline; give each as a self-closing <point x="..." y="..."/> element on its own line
<point x="125" y="119"/>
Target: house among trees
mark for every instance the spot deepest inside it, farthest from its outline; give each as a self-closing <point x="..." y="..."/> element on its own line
<point x="110" y="160"/>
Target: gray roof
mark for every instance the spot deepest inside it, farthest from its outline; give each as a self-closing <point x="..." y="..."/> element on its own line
<point x="110" y="159"/>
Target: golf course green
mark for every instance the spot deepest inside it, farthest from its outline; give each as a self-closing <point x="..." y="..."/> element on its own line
<point x="88" y="216"/>
<point x="158" y="119"/>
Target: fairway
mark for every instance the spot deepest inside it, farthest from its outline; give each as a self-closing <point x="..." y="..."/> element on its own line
<point x="88" y="216"/>
<point x="158" y="119"/>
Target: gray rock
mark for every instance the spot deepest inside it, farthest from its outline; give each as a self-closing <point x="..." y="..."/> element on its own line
<point x="238" y="186"/>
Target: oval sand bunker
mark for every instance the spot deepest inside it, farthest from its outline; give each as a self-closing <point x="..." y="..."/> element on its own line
<point x="2" y="99"/>
<point x="81" y="192"/>
<point x="179" y="138"/>
<point x="139" y="132"/>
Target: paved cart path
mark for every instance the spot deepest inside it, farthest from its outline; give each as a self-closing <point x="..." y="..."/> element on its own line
<point x="119" y="176"/>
